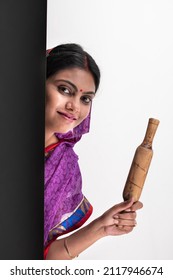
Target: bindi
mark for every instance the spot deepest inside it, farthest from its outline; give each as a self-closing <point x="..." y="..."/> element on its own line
<point x="81" y="90"/>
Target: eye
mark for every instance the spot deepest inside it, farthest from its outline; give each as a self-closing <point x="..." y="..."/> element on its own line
<point x="64" y="90"/>
<point x="86" y="99"/>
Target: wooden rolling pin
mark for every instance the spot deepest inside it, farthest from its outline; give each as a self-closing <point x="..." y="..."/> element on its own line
<point x="140" y="164"/>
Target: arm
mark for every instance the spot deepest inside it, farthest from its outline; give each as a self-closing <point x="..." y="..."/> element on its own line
<point x="120" y="219"/>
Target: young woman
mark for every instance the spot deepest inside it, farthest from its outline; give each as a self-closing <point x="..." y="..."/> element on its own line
<point x="72" y="81"/>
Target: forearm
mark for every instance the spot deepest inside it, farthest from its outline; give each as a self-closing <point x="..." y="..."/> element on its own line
<point x="118" y="220"/>
<point x="77" y="242"/>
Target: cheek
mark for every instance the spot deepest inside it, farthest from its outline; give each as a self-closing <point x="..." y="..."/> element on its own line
<point x="85" y="112"/>
<point x="50" y="106"/>
<point x="48" y="100"/>
<point x="52" y="100"/>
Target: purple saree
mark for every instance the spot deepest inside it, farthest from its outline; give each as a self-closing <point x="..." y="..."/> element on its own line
<point x="65" y="207"/>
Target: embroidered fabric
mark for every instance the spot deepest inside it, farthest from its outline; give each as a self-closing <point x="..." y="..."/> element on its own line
<point x="63" y="185"/>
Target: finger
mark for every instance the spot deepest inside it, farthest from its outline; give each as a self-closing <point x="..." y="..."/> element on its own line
<point x="116" y="230"/>
<point x="123" y="206"/>
<point x="123" y="229"/>
<point x="123" y="222"/>
<point x="126" y="229"/>
<point x="136" y="206"/>
<point x="125" y="215"/>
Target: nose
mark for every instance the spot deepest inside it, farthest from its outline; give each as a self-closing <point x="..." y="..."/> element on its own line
<point x="73" y="106"/>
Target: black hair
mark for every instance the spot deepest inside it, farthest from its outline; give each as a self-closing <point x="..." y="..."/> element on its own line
<point x="68" y="56"/>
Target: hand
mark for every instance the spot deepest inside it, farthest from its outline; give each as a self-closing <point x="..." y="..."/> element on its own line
<point x="121" y="218"/>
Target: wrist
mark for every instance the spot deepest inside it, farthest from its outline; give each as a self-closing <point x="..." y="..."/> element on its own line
<point x="97" y="228"/>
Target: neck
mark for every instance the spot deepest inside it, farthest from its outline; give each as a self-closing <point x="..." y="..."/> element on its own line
<point x="50" y="138"/>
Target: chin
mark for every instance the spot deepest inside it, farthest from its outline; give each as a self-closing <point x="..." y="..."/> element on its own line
<point x="63" y="131"/>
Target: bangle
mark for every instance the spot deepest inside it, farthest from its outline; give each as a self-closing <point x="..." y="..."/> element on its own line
<point x="67" y="250"/>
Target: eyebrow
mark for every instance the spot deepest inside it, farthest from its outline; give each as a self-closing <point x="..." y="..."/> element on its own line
<point x="74" y="86"/>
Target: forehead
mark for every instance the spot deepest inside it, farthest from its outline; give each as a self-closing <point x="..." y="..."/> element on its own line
<point x="82" y="79"/>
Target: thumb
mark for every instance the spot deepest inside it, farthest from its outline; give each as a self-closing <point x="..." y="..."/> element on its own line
<point x="124" y="205"/>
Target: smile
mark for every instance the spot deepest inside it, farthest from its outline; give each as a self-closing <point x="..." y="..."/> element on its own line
<point x="66" y="116"/>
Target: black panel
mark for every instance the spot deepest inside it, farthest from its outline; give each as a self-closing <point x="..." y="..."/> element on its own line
<point x="22" y="83"/>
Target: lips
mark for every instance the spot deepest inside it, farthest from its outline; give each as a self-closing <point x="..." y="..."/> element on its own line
<point x="67" y="116"/>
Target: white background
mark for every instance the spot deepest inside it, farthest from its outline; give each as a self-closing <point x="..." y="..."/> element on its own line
<point x="132" y="42"/>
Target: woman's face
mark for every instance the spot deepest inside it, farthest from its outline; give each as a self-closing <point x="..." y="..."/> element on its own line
<point x="69" y="95"/>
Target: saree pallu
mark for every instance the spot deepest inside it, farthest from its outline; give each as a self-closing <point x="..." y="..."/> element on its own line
<point x="65" y="208"/>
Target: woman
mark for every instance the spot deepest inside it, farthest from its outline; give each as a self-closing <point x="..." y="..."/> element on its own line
<point x="72" y="81"/>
